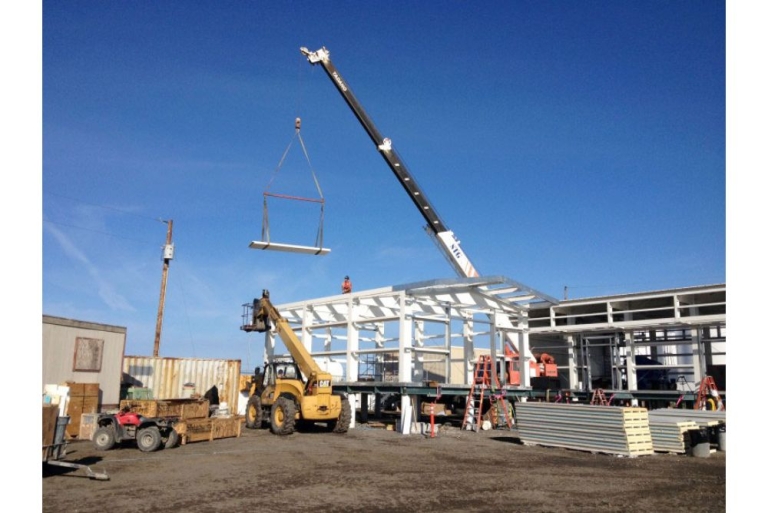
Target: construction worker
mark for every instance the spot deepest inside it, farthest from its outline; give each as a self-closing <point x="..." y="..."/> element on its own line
<point x="346" y="285"/>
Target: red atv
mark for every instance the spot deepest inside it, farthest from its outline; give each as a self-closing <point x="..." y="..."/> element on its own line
<point x="148" y="432"/>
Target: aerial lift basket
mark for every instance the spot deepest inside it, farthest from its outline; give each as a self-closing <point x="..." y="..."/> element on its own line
<point x="266" y="242"/>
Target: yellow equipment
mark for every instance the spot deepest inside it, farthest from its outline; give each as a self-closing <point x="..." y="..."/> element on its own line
<point x="292" y="389"/>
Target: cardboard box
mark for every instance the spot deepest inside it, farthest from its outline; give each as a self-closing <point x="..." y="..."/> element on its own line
<point x="83" y="398"/>
<point x="88" y="424"/>
<point x="83" y="389"/>
<point x="439" y="409"/>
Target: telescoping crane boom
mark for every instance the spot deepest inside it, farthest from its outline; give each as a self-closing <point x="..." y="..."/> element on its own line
<point x="445" y="238"/>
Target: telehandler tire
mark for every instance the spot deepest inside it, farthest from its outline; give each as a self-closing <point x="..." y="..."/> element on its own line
<point x="341" y="425"/>
<point x="283" y="418"/>
<point x="253" y="413"/>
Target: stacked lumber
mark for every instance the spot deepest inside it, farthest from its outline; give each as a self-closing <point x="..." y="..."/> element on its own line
<point x="622" y="431"/>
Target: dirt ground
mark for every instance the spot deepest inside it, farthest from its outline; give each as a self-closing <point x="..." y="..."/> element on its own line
<point x="375" y="470"/>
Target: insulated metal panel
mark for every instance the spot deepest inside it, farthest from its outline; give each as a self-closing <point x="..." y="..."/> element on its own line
<point x="669" y="435"/>
<point x="703" y="418"/>
<point x="290" y="248"/>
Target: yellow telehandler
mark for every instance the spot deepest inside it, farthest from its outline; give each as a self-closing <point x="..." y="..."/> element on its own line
<point x="290" y="390"/>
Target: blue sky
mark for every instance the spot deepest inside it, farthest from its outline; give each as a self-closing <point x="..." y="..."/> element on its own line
<point x="577" y="144"/>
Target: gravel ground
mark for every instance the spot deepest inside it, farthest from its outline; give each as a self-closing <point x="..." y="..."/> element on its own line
<point x="375" y="470"/>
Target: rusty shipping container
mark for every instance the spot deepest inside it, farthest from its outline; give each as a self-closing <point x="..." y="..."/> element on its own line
<point x="177" y="378"/>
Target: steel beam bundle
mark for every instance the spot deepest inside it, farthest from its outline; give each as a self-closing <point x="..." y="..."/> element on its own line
<point x="623" y="431"/>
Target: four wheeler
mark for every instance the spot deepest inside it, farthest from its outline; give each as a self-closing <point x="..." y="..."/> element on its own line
<point x="150" y="433"/>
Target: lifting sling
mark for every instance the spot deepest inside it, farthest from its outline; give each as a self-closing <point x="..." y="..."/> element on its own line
<point x="266" y="242"/>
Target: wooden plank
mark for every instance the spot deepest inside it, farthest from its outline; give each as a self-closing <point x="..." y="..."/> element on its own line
<point x="290" y="248"/>
<point x="50" y="414"/>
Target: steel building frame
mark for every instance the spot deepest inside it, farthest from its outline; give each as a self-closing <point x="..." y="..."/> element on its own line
<point x="413" y="321"/>
<point x="397" y="329"/>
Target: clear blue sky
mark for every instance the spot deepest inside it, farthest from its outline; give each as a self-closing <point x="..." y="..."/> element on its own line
<point x="577" y="144"/>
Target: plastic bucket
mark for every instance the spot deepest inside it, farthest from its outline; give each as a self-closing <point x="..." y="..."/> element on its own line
<point x="721" y="438"/>
<point x="700" y="446"/>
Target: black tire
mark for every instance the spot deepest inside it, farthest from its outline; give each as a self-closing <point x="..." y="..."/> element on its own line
<point x="171" y="439"/>
<point x="283" y="416"/>
<point x="254" y="416"/>
<point x="104" y="438"/>
<point x="148" y="439"/>
<point x="341" y="425"/>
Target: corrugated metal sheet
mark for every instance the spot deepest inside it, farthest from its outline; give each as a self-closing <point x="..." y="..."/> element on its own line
<point x="167" y="377"/>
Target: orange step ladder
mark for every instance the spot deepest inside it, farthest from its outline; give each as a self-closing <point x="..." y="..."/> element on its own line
<point x="599" y="399"/>
<point x="708" y="397"/>
<point x="485" y="385"/>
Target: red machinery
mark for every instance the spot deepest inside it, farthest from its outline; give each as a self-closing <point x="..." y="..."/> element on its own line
<point x="547" y="365"/>
<point x="544" y="366"/>
<point x="148" y="433"/>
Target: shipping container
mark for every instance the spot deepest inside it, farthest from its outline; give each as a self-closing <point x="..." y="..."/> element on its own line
<point x="182" y="378"/>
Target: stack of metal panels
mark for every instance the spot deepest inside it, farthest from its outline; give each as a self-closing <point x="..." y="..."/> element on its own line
<point x="670" y="426"/>
<point x="670" y="434"/>
<point x="616" y="430"/>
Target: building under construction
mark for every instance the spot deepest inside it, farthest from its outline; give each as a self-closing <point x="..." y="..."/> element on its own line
<point x="419" y="339"/>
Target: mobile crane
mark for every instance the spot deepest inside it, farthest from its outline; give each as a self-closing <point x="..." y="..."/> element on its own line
<point x="445" y="239"/>
<point x="290" y="390"/>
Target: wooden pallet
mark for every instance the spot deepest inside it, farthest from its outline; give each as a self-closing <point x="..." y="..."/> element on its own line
<point x="181" y="408"/>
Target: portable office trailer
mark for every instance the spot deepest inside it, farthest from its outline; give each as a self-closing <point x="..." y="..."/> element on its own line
<point x="84" y="352"/>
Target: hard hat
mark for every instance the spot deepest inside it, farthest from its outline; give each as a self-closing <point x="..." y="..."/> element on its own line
<point x="346" y="277"/>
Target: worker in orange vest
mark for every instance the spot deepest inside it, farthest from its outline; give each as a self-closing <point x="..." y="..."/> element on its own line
<point x="346" y="285"/>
